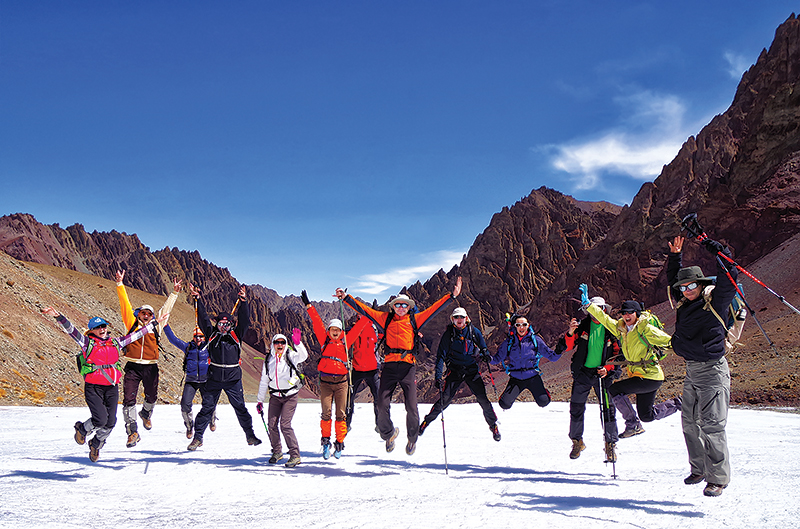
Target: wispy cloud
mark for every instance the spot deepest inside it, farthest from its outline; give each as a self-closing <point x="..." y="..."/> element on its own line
<point x="649" y="135"/>
<point x="391" y="281"/>
<point x="737" y="64"/>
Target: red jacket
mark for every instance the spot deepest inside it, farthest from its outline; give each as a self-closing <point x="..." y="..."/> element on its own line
<point x="364" y="354"/>
<point x="334" y="359"/>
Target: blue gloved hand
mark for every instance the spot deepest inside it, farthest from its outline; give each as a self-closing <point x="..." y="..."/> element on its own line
<point x="260" y="408"/>
<point x="584" y="294"/>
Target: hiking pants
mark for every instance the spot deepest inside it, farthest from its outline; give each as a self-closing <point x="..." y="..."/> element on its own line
<point x="190" y="389"/>
<point x="211" y="392"/>
<point x="472" y="377"/>
<point x="582" y="382"/>
<point x="516" y="386"/>
<point x="330" y="393"/>
<point x="404" y="374"/>
<point x="371" y="379"/>
<point x="706" y="395"/>
<point x="645" y="390"/>
<point x="280" y="411"/>
<point x="102" y="402"/>
<point x="147" y="375"/>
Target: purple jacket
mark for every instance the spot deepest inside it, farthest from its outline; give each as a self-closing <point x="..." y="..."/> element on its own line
<point x="520" y="356"/>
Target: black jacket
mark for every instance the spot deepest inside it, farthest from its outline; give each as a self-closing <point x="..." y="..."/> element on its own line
<point x="699" y="335"/>
<point x="223" y="349"/>
<point x="611" y="348"/>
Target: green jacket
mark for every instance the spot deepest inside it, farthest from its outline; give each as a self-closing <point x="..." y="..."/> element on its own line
<point x="633" y="343"/>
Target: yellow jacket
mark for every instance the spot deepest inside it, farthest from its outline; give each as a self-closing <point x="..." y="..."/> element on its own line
<point x="633" y="343"/>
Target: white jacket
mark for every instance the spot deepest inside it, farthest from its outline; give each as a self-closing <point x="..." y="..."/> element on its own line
<point x="276" y="375"/>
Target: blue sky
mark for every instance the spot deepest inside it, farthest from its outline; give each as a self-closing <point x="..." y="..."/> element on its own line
<point x="361" y="144"/>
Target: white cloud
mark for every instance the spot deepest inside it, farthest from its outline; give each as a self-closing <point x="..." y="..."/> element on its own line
<point x="649" y="136"/>
<point x="737" y="64"/>
<point x="391" y="281"/>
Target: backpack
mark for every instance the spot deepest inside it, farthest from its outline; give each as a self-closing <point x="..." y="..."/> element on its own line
<point x="655" y="353"/>
<point x="414" y="348"/>
<point x="734" y="316"/>
<point x="85" y="368"/>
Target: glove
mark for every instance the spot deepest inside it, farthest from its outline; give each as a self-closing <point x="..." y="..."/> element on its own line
<point x="713" y="246"/>
<point x="260" y="408"/>
<point x="486" y="357"/>
<point x="584" y="294"/>
<point x="296" y="336"/>
<point x="304" y="297"/>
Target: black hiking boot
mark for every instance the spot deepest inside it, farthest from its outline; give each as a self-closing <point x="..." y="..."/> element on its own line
<point x="423" y="425"/>
<point x="252" y="440"/>
<point x="693" y="479"/>
<point x="276" y="456"/>
<point x="495" y="432"/>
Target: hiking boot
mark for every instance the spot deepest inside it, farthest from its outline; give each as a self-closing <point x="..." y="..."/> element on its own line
<point x="276" y="456"/>
<point x="252" y="440"/>
<point x="94" y="453"/>
<point x="337" y="449"/>
<point x="293" y="462"/>
<point x="611" y="454"/>
<point x="133" y="438"/>
<point x="577" y="448"/>
<point x="189" y="431"/>
<point x="713" y="489"/>
<point x="390" y="441"/>
<point x="630" y="432"/>
<point x="411" y="447"/>
<point x="146" y="422"/>
<point x="195" y="444"/>
<point x="422" y="426"/>
<point x="495" y="432"/>
<point x="693" y="479"/>
<point x="678" y="402"/>
<point x="326" y="448"/>
<point x="80" y="433"/>
<point x="213" y="425"/>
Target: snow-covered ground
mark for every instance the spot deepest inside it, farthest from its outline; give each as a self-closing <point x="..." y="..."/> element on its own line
<point x="526" y="480"/>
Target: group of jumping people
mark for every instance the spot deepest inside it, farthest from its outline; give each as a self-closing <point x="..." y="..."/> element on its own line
<point x="602" y="348"/>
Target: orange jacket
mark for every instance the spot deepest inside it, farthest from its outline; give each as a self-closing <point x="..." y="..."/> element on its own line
<point x="334" y="359"/>
<point x="400" y="333"/>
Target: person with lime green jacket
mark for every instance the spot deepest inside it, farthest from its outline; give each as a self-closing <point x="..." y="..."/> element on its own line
<point x="639" y="340"/>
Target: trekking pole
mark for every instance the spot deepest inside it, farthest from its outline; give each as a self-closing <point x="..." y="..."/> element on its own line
<point x="489" y="370"/>
<point x="349" y="363"/>
<point x="265" y="422"/>
<point x="603" y="408"/>
<point x="444" y="439"/>
<point x="692" y="226"/>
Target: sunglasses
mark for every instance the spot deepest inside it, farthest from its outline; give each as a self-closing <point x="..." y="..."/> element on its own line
<point x="104" y="326"/>
<point x="459" y="317"/>
<point x="401" y="305"/>
<point x="628" y="312"/>
<point x="521" y="324"/>
<point x="279" y="342"/>
<point x="690" y="286"/>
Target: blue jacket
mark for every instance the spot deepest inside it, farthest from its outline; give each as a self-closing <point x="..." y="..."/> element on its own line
<point x="459" y="349"/>
<point x="195" y="360"/>
<point x="520" y="356"/>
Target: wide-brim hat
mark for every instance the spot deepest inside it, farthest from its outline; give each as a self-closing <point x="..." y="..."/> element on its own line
<point x="402" y="298"/>
<point x="690" y="274"/>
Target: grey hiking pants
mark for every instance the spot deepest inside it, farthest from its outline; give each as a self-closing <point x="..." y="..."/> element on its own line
<point x="706" y="395"/>
<point x="280" y="411"/>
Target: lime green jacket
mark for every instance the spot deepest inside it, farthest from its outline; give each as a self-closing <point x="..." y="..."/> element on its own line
<point x="634" y="343"/>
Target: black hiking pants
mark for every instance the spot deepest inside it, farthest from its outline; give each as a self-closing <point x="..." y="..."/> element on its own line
<point x="371" y="379"/>
<point x="470" y="376"/>
<point x="582" y="383"/>
<point x="516" y="386"/>
<point x="211" y="392"/>
<point x="392" y="375"/>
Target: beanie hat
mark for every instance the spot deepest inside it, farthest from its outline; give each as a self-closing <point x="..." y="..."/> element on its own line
<point x="631" y="306"/>
<point x="335" y="322"/>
